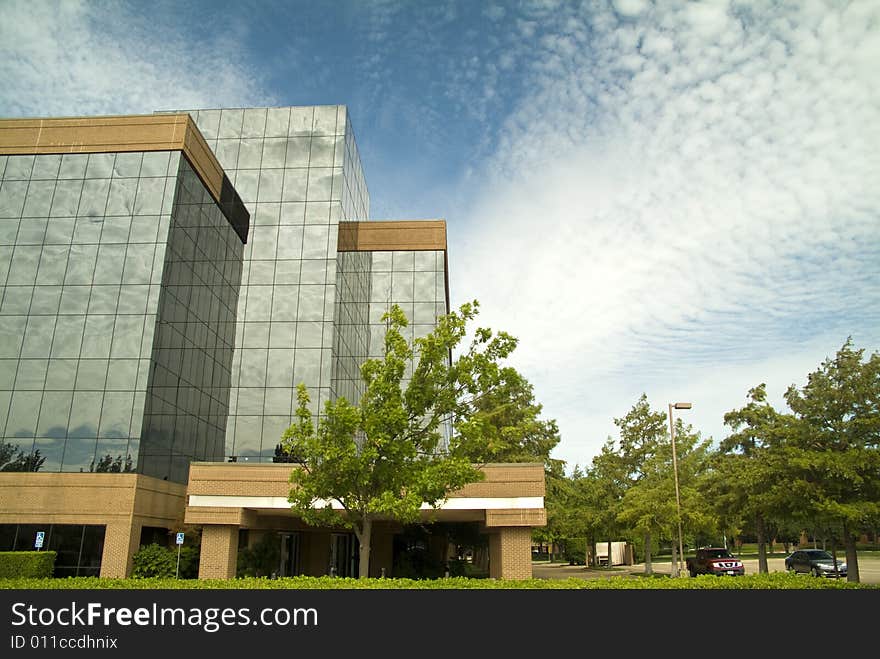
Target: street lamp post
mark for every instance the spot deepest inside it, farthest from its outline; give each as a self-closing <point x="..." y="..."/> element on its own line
<point x="678" y="406"/>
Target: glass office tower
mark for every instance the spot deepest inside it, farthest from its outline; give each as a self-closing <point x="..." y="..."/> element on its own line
<point x="310" y="310"/>
<point x="119" y="278"/>
<point x="303" y="309"/>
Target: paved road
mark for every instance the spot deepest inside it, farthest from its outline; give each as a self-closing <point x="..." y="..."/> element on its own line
<point x="869" y="569"/>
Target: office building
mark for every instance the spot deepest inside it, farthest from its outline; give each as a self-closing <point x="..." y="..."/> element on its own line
<point x="167" y="281"/>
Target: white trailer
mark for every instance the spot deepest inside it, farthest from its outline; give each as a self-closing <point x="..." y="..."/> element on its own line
<point x="620" y="553"/>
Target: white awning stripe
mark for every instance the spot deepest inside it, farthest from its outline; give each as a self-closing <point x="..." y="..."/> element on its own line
<point x="455" y="503"/>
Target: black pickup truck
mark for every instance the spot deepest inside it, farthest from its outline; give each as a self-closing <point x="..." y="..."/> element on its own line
<point x="715" y="560"/>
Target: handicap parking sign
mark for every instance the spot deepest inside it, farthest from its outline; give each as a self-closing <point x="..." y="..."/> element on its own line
<point x="38" y="543"/>
<point x="180" y="538"/>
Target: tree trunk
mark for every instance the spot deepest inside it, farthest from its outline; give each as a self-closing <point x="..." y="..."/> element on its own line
<point x="674" y="569"/>
<point x="364" y="537"/>
<point x="834" y="555"/>
<point x="608" y="561"/>
<point x="649" y="568"/>
<point x="852" y="557"/>
<point x="762" y="546"/>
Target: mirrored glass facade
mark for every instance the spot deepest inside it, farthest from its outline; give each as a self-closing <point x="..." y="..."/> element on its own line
<point x="119" y="282"/>
<point x="416" y="282"/>
<point x="302" y="310"/>
<point x="140" y="334"/>
<point x="307" y="312"/>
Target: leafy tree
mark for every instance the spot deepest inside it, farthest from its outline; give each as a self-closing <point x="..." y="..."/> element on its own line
<point x="281" y="455"/>
<point x="648" y="505"/>
<point x="594" y="498"/>
<point x="836" y="445"/>
<point x="109" y="464"/>
<point x="15" y="459"/>
<point x="558" y="504"/>
<point x="749" y="470"/>
<point x="384" y="457"/>
<point x="694" y="456"/>
<point x="7" y="454"/>
<point x="642" y="437"/>
<point x="505" y="425"/>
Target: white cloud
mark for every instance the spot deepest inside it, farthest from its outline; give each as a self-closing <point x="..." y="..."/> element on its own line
<point x="708" y="19"/>
<point x="76" y="57"/>
<point x="630" y="8"/>
<point x="687" y="207"/>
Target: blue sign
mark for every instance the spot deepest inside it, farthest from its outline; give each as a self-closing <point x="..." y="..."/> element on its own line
<point x="38" y="543"/>
<point x="180" y="538"/>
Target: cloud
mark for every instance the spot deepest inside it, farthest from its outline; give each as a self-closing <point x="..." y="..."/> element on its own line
<point x="678" y="197"/>
<point x="690" y="199"/>
<point x="630" y="8"/>
<point x="76" y="57"/>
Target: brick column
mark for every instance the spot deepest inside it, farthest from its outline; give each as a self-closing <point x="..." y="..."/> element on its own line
<point x="219" y="551"/>
<point x="121" y="541"/>
<point x="510" y="553"/>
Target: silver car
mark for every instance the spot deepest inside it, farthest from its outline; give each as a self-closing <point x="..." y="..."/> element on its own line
<point x="817" y="562"/>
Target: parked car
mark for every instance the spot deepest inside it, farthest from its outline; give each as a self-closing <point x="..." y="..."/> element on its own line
<point x="714" y="560"/>
<point x="817" y="562"/>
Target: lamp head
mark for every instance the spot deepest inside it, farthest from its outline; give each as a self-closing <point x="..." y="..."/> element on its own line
<point x="682" y="406"/>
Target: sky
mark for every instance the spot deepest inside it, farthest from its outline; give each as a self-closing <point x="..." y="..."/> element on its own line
<point x="680" y="199"/>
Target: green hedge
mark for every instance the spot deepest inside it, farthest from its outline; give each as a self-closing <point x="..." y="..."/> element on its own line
<point x="156" y="561"/>
<point x="26" y="564"/>
<point x="774" y="581"/>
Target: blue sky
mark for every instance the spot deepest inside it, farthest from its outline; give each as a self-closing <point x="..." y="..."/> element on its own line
<point x="677" y="198"/>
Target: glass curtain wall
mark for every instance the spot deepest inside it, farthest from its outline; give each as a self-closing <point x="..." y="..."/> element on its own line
<point x="86" y="278"/>
<point x="298" y="171"/>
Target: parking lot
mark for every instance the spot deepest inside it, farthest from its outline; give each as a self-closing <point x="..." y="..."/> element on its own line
<point x="869" y="569"/>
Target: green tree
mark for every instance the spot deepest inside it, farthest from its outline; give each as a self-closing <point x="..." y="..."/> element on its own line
<point x="109" y="464"/>
<point x="750" y="470"/>
<point x="836" y="445"/>
<point x="648" y="505"/>
<point x="385" y="456"/>
<point x="595" y="497"/>
<point x="505" y="425"/>
<point x="13" y="458"/>
<point x="558" y="504"/>
<point x="642" y="437"/>
<point x="694" y="456"/>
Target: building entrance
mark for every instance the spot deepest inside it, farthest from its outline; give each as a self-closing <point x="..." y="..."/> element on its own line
<point x="291" y="545"/>
<point x="344" y="555"/>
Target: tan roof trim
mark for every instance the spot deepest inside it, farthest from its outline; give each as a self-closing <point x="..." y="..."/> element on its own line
<point x="396" y="235"/>
<point x="166" y="132"/>
<point x="391" y="235"/>
<point x="152" y="132"/>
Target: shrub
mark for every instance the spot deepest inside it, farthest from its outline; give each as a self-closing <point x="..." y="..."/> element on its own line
<point x="262" y="559"/>
<point x="774" y="581"/>
<point x="26" y="564"/>
<point x="153" y="561"/>
<point x="158" y="561"/>
<point x="189" y="561"/>
<point x="575" y="551"/>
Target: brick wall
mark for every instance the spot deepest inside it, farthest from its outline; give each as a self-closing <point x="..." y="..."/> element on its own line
<point x="510" y="553"/>
<point x="219" y="552"/>
<point x="123" y="503"/>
